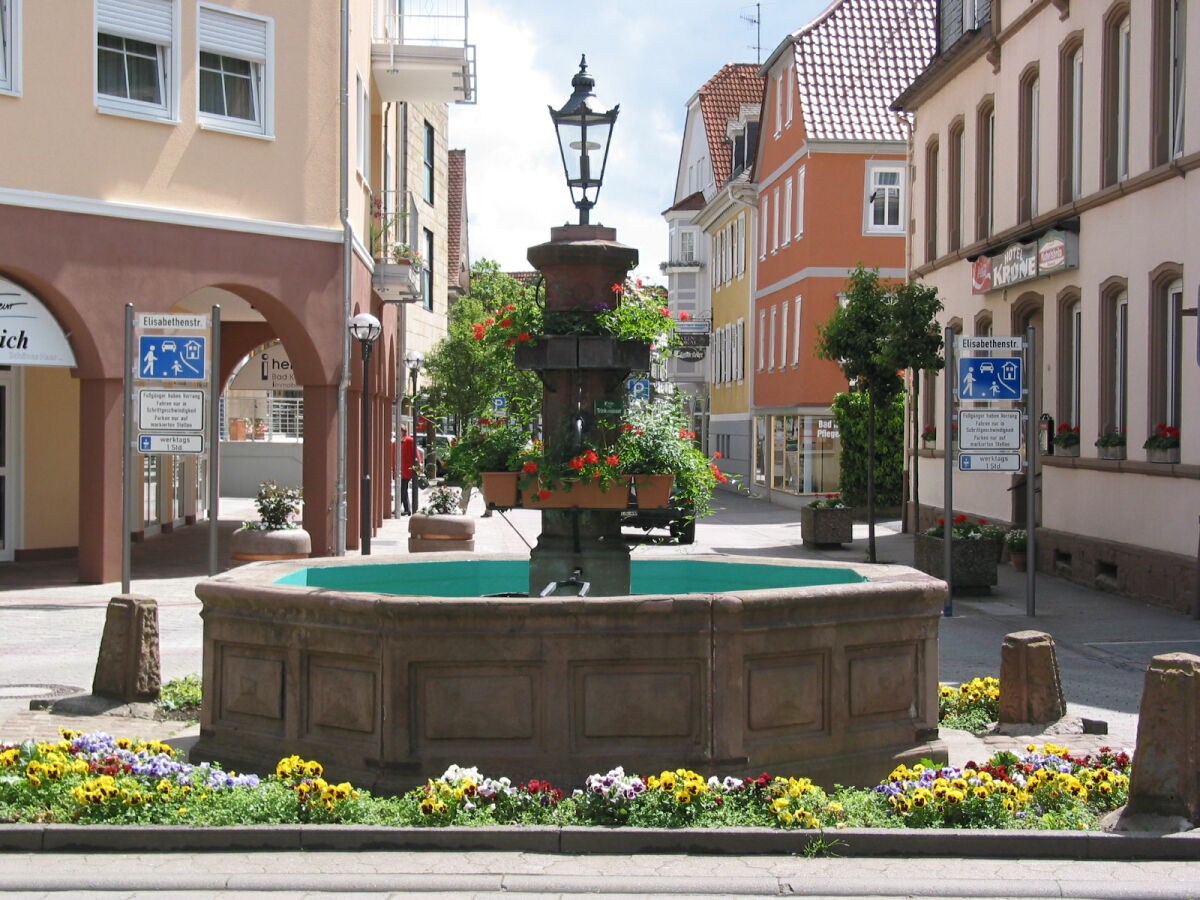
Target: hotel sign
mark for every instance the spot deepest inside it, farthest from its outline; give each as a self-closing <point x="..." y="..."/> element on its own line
<point x="1054" y="252"/>
<point x="29" y="333"/>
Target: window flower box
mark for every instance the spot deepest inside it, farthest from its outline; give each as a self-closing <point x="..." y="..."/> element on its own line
<point x="397" y="281"/>
<point x="1111" y="452"/>
<point x="577" y="495"/>
<point x="1162" y="454"/>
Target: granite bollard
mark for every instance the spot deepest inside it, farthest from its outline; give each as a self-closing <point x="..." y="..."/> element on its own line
<point x="127" y="668"/>
<point x="1030" y="687"/>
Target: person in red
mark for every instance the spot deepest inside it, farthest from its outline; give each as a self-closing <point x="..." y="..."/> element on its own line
<point x="408" y="456"/>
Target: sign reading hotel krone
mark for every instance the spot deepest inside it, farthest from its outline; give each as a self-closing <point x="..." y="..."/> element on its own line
<point x="1053" y="252"/>
<point x="29" y="333"/>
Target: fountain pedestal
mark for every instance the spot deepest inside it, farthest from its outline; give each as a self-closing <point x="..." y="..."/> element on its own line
<point x="580" y="265"/>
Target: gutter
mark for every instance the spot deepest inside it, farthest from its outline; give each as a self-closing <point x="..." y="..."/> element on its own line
<point x="339" y="540"/>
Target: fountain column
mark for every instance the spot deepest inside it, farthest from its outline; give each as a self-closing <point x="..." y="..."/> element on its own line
<point x="580" y="264"/>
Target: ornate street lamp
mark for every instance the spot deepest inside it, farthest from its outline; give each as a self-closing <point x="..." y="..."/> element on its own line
<point x="365" y="328"/>
<point x="584" y="129"/>
<point x="414" y="360"/>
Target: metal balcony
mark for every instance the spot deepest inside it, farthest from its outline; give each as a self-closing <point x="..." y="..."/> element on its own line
<point x="420" y="53"/>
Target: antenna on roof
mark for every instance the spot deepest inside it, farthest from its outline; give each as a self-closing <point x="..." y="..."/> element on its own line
<point x="756" y="21"/>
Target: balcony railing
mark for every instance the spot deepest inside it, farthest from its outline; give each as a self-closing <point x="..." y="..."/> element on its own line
<point x="420" y="51"/>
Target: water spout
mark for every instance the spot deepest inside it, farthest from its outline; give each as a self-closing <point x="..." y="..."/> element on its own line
<point x="576" y="580"/>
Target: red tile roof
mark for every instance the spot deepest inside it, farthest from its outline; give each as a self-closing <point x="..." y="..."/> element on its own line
<point x="734" y="86"/>
<point x="526" y="278"/>
<point x="854" y="59"/>
<point x="690" y="202"/>
<point x="457" y="265"/>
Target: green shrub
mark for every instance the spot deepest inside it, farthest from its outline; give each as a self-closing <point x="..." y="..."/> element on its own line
<point x="850" y="413"/>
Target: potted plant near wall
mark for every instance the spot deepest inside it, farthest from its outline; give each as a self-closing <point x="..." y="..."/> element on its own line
<point x="826" y="520"/>
<point x="1111" y="444"/>
<point x="1163" y="444"/>
<point x="1066" y="440"/>
<point x="975" y="552"/>
<point x="274" y="535"/>
<point x="1016" y="541"/>
<point x="439" y="525"/>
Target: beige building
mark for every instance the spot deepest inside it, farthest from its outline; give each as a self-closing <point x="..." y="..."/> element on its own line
<point x="1054" y="157"/>
<point x="203" y="156"/>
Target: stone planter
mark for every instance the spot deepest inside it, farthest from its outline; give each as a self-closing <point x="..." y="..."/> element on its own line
<point x="253" y="544"/>
<point x="579" y="496"/>
<point x="500" y="488"/>
<point x="1066" y="451"/>
<point x="826" y="526"/>
<point x="653" y="491"/>
<point x="1110" y="452"/>
<point x="439" y="533"/>
<point x="974" y="561"/>
<point x="1019" y="559"/>
<point x="1170" y="455"/>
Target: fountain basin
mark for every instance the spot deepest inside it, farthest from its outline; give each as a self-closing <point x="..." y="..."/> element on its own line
<point x="834" y="681"/>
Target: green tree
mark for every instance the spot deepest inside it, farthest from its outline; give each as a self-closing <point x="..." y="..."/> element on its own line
<point x="851" y="414"/>
<point x="875" y="336"/>
<point x="466" y="373"/>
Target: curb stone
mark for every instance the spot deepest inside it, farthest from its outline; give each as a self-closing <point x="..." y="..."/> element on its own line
<point x="849" y="842"/>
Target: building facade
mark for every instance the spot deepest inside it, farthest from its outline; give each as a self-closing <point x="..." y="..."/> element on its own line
<point x="832" y="193"/>
<point x="1054" y="174"/>
<point x="222" y="179"/>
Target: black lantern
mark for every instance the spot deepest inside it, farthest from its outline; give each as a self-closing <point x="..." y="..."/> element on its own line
<point x="365" y="329"/>
<point x="584" y="130"/>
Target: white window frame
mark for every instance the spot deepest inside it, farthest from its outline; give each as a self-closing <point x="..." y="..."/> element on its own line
<point x="687" y="254"/>
<point x="262" y="72"/>
<point x="1121" y="363"/>
<point x="800" y="174"/>
<point x="789" y="75"/>
<point x="797" y="307"/>
<point x="1033" y="97"/>
<point x="775" y="224"/>
<point x="783" y="333"/>
<point x="762" y="339"/>
<point x="739" y="238"/>
<point x="1075" y="313"/>
<point x="1176" y="78"/>
<point x="739" y="349"/>
<point x="771" y="342"/>
<point x="787" y="211"/>
<point x="10" y="33"/>
<point x="1174" y="350"/>
<point x="363" y="121"/>
<point x="764" y="214"/>
<point x="778" y="104"/>
<point x="1123" y="98"/>
<point x="1077" y="123"/>
<point x="168" y="68"/>
<point x="877" y="167"/>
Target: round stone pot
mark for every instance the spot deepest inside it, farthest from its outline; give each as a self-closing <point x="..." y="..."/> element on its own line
<point x="437" y="533"/>
<point x="254" y="544"/>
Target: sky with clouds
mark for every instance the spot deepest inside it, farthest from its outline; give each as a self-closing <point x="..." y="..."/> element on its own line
<point x="649" y="56"/>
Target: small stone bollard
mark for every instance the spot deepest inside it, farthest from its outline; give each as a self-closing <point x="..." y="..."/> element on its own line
<point x="127" y="668"/>
<point x="1030" y="687"/>
<point x="1166" y="773"/>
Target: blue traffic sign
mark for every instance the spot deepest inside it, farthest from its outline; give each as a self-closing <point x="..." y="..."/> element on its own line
<point x="499" y="404"/>
<point x="179" y="358"/>
<point x="990" y="378"/>
<point x="639" y="388"/>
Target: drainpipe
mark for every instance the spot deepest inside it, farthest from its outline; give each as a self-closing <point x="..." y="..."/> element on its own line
<point x="909" y="492"/>
<point x="339" y="542"/>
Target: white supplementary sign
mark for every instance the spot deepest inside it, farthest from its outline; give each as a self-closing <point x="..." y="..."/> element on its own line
<point x="171" y="443"/>
<point x="29" y="333"/>
<point x="170" y="410"/>
<point x="989" y="343"/>
<point x="989" y="462"/>
<point x="989" y="429"/>
<point x="694" y="326"/>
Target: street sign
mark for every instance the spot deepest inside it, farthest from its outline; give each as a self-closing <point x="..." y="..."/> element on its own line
<point x="605" y="407"/>
<point x="171" y="357"/>
<point x="694" y="326"/>
<point x="170" y="443"/>
<point x="170" y="410"/>
<point x="639" y="388"/>
<point x="990" y="378"/>
<point x="1014" y="344"/>
<point x="186" y="321"/>
<point x="989" y="462"/>
<point x="499" y="404"/>
<point x="989" y="429"/>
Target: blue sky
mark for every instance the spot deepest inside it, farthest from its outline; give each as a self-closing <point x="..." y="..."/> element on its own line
<point x="649" y="56"/>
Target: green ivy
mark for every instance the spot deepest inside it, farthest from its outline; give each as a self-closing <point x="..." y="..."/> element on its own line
<point x="850" y="413"/>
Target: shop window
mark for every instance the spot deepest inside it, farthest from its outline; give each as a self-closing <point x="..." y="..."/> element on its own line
<point x="985" y="170"/>
<point x="1114" y="355"/>
<point x="1114" y="137"/>
<point x="761" y="450"/>
<point x="1167" y="80"/>
<point x="956" y="199"/>
<point x="135" y="57"/>
<point x="1070" y="121"/>
<point x="885" y="198"/>
<point x="10" y="46"/>
<point x="234" y="69"/>
<point x="1029" y="144"/>
<point x="1166" y="349"/>
<point x="931" y="200"/>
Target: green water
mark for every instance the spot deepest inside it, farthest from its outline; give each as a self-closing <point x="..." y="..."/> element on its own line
<point x="475" y="578"/>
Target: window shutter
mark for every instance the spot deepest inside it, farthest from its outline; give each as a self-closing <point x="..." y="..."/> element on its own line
<point x="227" y="34"/>
<point x="143" y="20"/>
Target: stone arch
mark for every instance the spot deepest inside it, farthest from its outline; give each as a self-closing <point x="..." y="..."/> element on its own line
<point x="79" y="336"/>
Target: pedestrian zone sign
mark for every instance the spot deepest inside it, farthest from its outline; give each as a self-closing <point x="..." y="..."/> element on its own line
<point x="172" y="358"/>
<point x="990" y="378"/>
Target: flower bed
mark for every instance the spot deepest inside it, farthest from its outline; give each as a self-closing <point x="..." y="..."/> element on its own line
<point x="94" y="779"/>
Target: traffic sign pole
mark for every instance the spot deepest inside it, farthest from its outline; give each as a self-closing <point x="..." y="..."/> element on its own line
<point x="126" y="452"/>
<point x="1031" y="471"/>
<point x="214" y="440"/>
<point x="948" y="489"/>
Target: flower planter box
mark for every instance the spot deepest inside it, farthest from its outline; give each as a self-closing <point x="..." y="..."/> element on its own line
<point x="1170" y="455"/>
<point x="653" y="491"/>
<point x="579" y="495"/>
<point x="826" y="526"/>
<point x="1111" y="452"/>
<point x="440" y="533"/>
<point x="500" y="488"/>
<point x="396" y="281"/>
<point x="1066" y="451"/>
<point x="974" y="561"/>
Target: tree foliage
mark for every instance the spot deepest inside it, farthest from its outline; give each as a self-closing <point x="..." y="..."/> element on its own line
<point x="850" y="413"/>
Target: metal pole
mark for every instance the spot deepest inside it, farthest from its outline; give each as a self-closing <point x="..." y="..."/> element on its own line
<point x="948" y="485"/>
<point x="416" y="414"/>
<point x="1033" y="385"/>
<point x="364" y="500"/>
<point x="214" y="442"/>
<point x="126" y="445"/>
<point x="343" y="386"/>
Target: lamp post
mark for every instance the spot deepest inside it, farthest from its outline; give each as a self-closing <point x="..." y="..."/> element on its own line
<point x="365" y="328"/>
<point x="584" y="129"/>
<point x="414" y="360"/>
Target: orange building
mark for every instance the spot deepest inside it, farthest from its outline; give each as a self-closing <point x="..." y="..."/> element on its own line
<point x="832" y="191"/>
